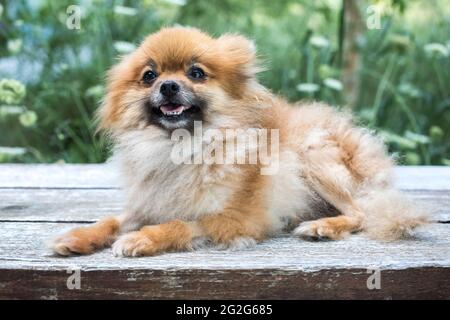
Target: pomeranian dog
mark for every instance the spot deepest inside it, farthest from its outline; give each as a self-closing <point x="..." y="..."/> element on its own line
<point x="326" y="178"/>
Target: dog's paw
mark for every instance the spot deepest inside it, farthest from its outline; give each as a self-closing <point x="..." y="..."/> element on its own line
<point x="321" y="229"/>
<point x="85" y="240"/>
<point x="134" y="244"/>
<point x="72" y="242"/>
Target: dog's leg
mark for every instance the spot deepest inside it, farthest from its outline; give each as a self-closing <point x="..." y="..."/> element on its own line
<point x="85" y="240"/>
<point x="328" y="171"/>
<point x="228" y="229"/>
<point x="334" y="184"/>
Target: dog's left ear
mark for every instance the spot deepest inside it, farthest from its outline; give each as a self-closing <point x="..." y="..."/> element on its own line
<point x="240" y="53"/>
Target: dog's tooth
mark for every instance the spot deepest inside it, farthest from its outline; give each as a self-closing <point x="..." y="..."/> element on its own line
<point x="174" y="113"/>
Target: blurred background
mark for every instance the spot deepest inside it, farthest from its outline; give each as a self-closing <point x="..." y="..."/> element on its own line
<point x="387" y="60"/>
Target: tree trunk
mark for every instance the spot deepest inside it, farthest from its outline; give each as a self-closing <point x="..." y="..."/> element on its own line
<point x="353" y="27"/>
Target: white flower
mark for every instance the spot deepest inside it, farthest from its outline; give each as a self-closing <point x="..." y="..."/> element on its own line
<point x="319" y="42"/>
<point x="126" y="11"/>
<point x="10" y="110"/>
<point x="12" y="91"/>
<point x="436" y="49"/>
<point x="28" y="118"/>
<point x="409" y="89"/>
<point x="333" y="84"/>
<point x="95" y="91"/>
<point x="416" y="137"/>
<point x="308" y="87"/>
<point x="367" y="114"/>
<point x="14" y="45"/>
<point x="63" y="66"/>
<point x="12" y="151"/>
<point x="124" y="46"/>
<point x="177" y="2"/>
<point x="296" y="9"/>
<point x="403" y="142"/>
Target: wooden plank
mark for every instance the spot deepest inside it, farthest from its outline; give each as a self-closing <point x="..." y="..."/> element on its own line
<point x="22" y="247"/>
<point x="422" y="177"/>
<point x="280" y="268"/>
<point x="105" y="176"/>
<point x="437" y="202"/>
<point x="39" y="201"/>
<point x="53" y="205"/>
<point x="58" y="176"/>
<point x="88" y="205"/>
<point x="417" y="283"/>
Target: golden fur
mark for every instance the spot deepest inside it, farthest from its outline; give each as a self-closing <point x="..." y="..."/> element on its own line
<point x="331" y="173"/>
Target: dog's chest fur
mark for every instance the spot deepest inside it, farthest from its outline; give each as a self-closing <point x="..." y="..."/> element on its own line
<point x="158" y="190"/>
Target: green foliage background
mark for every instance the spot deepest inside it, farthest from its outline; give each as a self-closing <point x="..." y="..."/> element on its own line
<point x="404" y="78"/>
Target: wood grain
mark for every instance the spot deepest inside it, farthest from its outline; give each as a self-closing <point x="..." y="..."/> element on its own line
<point x="53" y="205"/>
<point x="227" y="284"/>
<point x="105" y="176"/>
<point x="22" y="246"/>
<point x="68" y="176"/>
<point x="88" y="205"/>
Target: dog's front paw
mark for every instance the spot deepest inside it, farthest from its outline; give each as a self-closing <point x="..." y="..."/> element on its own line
<point x="134" y="244"/>
<point x="86" y="240"/>
<point x="73" y="242"/>
<point x="151" y="240"/>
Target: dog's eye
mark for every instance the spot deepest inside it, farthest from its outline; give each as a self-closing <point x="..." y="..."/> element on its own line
<point x="196" y="73"/>
<point x="149" y="76"/>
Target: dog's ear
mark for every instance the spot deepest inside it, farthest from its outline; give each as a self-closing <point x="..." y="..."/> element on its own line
<point x="240" y="52"/>
<point x="116" y="84"/>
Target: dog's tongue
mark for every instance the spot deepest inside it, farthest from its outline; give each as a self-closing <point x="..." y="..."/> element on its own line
<point x="172" y="108"/>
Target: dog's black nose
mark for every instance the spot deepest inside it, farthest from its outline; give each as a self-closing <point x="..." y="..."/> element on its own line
<point x="169" y="88"/>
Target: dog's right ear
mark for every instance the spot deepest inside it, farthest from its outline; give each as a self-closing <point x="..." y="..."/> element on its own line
<point x="240" y="53"/>
<point x="108" y="112"/>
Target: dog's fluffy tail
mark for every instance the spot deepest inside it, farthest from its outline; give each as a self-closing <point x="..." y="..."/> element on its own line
<point x="390" y="214"/>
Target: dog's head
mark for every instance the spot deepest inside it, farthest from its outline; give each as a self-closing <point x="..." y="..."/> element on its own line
<point x="177" y="76"/>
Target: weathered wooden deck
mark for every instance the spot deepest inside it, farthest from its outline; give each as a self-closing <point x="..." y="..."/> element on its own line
<point x="38" y="201"/>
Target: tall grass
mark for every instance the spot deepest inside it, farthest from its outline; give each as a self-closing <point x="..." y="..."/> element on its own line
<point x="404" y="77"/>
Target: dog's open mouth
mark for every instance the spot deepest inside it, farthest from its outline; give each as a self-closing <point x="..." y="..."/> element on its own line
<point x="175" y="114"/>
<point x="173" y="109"/>
<point x="176" y="111"/>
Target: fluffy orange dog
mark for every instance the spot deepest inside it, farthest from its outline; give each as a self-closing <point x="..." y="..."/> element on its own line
<point x="332" y="178"/>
